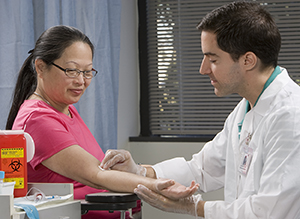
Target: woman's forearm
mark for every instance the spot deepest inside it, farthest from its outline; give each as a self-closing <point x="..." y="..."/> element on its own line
<point x="75" y="163"/>
<point x="122" y="181"/>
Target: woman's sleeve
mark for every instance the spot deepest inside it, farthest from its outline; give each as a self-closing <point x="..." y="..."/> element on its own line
<point x="50" y="135"/>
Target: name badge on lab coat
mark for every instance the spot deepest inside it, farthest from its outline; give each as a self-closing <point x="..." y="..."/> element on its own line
<point x="246" y="155"/>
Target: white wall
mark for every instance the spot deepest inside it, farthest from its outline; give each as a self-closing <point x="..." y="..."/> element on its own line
<point x="128" y="105"/>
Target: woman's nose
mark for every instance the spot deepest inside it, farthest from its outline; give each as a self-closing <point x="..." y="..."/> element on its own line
<point x="80" y="79"/>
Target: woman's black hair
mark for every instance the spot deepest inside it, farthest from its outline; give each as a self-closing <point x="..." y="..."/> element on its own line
<point x="49" y="47"/>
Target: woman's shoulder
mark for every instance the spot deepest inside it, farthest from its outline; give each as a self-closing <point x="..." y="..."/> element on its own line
<point x="38" y="110"/>
<point x="35" y="106"/>
<point x="33" y="109"/>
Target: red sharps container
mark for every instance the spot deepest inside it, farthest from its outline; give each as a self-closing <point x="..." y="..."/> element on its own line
<point x="13" y="159"/>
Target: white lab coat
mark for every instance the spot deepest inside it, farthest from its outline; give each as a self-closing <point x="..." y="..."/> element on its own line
<point x="271" y="188"/>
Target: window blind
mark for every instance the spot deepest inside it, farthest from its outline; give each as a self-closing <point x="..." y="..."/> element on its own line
<point x="181" y="100"/>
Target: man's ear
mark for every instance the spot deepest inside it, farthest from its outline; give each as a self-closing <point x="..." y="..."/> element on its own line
<point x="250" y="61"/>
<point x="40" y="67"/>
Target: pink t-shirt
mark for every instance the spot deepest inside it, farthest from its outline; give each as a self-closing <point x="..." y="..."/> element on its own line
<point x="52" y="131"/>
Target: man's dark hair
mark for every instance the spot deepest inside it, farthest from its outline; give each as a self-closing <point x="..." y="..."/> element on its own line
<point x="242" y="27"/>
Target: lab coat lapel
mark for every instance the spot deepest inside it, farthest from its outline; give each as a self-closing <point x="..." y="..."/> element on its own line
<point x="233" y="149"/>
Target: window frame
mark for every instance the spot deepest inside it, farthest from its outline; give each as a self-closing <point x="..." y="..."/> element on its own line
<point x="145" y="131"/>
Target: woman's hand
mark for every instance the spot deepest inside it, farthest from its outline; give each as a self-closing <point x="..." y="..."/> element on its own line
<point x="174" y="190"/>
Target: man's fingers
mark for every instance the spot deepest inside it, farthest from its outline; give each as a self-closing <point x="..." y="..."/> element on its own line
<point x="156" y="200"/>
<point x="111" y="158"/>
<point x="108" y="155"/>
<point x="148" y="195"/>
<point x="143" y="191"/>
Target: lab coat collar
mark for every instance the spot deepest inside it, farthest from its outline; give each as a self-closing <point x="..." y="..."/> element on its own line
<point x="266" y="100"/>
<point x="263" y="106"/>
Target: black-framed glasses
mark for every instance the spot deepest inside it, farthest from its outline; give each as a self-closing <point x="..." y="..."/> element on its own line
<point x="74" y="73"/>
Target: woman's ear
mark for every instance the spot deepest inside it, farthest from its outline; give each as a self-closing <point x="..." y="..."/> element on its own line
<point x="40" y="67"/>
<point x="250" y="61"/>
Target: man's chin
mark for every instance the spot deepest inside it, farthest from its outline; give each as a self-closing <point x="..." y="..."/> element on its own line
<point x="218" y="93"/>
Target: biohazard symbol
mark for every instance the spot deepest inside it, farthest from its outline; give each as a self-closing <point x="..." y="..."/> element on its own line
<point x="15" y="165"/>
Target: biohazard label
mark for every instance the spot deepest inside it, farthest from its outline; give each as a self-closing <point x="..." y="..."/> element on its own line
<point x="12" y="162"/>
<point x="12" y="152"/>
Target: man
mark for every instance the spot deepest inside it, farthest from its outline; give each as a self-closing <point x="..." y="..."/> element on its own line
<point x="257" y="154"/>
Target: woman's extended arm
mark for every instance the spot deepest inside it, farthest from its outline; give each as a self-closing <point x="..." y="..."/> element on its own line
<point x="77" y="164"/>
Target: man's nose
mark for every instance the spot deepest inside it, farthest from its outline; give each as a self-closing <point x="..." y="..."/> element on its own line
<point x="205" y="66"/>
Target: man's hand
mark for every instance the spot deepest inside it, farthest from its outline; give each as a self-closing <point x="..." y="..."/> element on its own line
<point x="121" y="160"/>
<point x="186" y="204"/>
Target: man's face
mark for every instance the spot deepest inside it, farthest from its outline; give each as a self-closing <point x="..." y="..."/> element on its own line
<point x="224" y="73"/>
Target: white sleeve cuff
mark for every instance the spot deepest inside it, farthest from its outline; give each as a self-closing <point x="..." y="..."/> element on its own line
<point x="176" y="169"/>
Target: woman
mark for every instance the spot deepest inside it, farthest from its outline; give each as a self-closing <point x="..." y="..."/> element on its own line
<point x="52" y="78"/>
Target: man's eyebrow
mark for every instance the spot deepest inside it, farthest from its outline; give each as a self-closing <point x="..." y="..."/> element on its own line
<point x="210" y="54"/>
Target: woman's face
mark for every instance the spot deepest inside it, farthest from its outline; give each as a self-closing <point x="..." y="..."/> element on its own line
<point x="56" y="86"/>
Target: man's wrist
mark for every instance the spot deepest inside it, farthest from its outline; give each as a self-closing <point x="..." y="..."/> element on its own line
<point x="141" y="170"/>
<point x="150" y="171"/>
<point x="200" y="208"/>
